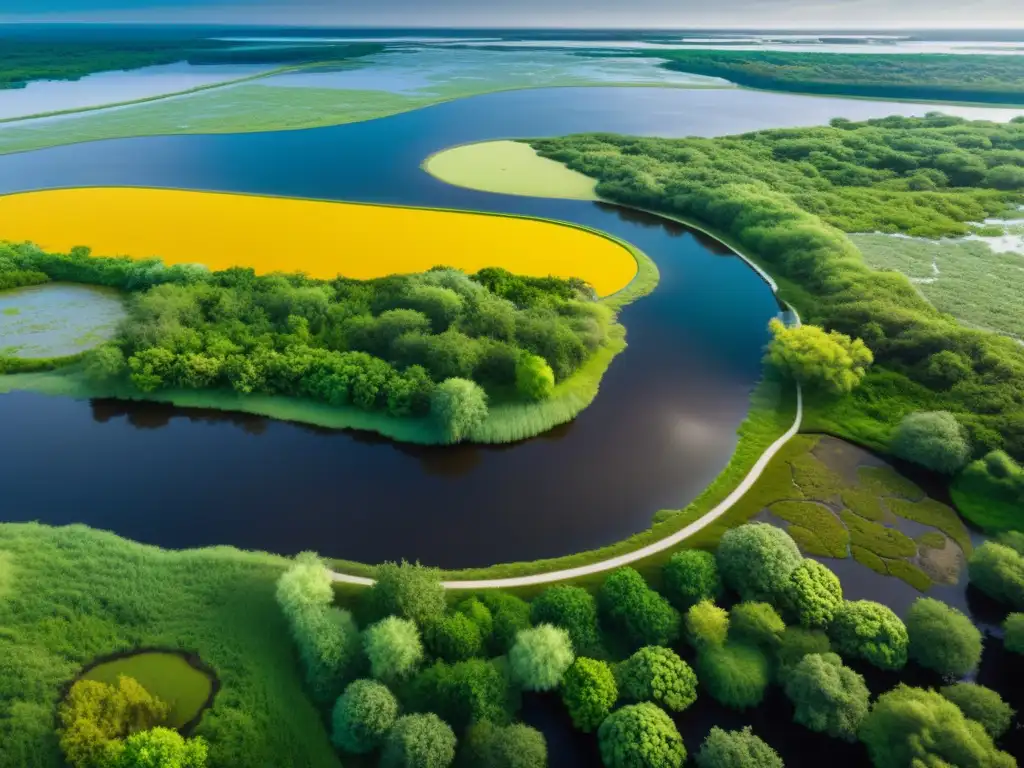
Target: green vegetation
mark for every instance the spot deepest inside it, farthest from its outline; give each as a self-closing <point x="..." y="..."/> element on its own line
<point x="540" y="657"/>
<point x="998" y="571"/>
<point x="657" y="675"/>
<point x="707" y="625"/>
<point x="813" y="595"/>
<point x="938" y="77"/>
<point x="735" y="675"/>
<point x="640" y="736"/>
<point x="815" y="527"/>
<point x="736" y="749"/>
<point x="419" y="741"/>
<point x="406" y="590"/>
<point x="870" y="631"/>
<point x="589" y="692"/>
<point x="942" y="639"/>
<point x="362" y="717"/>
<point x="756" y="560"/>
<point x="512" y="746"/>
<point x="932" y="540"/>
<point x="981" y="704"/>
<point x="161" y="747"/>
<point x="691" y="576"/>
<point x="990" y="492"/>
<point x="794" y="645"/>
<point x="827" y="696"/>
<point x="393" y="648"/>
<point x="757" y="624"/>
<point x="832" y="361"/>
<point x="574" y="610"/>
<point x="935" y="440"/>
<point x="877" y="539"/>
<point x="453" y="637"/>
<point x="635" y="610"/>
<point x="1014" y="629"/>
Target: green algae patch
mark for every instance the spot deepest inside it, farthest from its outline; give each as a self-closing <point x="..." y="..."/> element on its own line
<point x="830" y="537"/>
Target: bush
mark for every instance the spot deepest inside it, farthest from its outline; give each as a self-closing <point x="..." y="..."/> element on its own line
<point x="736" y="749"/>
<point x="735" y="675"/>
<point x="934" y="439"/>
<point x="813" y="594"/>
<point x="998" y="571"/>
<point x="574" y="610"/>
<point x="465" y="692"/>
<point x="832" y="361"/>
<point x="640" y="736"/>
<point x="509" y="614"/>
<point x="419" y="741"/>
<point x="640" y="614"/>
<point x="540" y="657"/>
<point x="911" y="726"/>
<point x="512" y="746"/>
<point x="453" y="638"/>
<point x="362" y="716"/>
<point x="942" y="639"/>
<point x="458" y="406"/>
<point x="691" y="576"/>
<point x="104" y="365"/>
<point x="589" y="692"/>
<point x="983" y="705"/>
<point x="707" y="625"/>
<point x="657" y="674"/>
<point x="393" y="647"/>
<point x="409" y="591"/>
<point x="870" y="631"/>
<point x="756" y="624"/>
<point x="794" y="645"/>
<point x="1013" y="628"/>
<point x="534" y="378"/>
<point x="480" y="615"/>
<point x="828" y="697"/>
<point x="757" y="559"/>
<point x="158" y="748"/>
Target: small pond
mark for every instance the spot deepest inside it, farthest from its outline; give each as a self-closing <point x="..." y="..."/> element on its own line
<point x="56" y="320"/>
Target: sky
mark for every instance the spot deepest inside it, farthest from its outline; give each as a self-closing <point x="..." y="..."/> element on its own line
<point x="689" y="14"/>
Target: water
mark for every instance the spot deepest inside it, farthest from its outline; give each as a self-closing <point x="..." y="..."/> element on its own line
<point x="57" y="320"/>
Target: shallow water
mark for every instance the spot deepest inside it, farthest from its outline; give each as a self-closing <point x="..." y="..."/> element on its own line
<point x="56" y="320"/>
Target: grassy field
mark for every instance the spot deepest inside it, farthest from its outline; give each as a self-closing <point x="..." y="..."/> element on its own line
<point x="71" y="595"/>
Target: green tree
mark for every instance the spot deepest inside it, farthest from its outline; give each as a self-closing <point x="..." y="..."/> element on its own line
<point x="419" y="741"/>
<point x="794" y="645"/>
<point x="735" y="675"/>
<point x="982" y="705"/>
<point x="410" y="591"/>
<point x="641" y="615"/>
<point x="1008" y="177"/>
<point x="534" y="378"/>
<point x="756" y="624"/>
<point x="453" y="637"/>
<point x="736" y="749"/>
<point x="942" y="639"/>
<point x="480" y="615"/>
<point x="813" y="594"/>
<point x="465" y="692"/>
<point x="707" y="624"/>
<point x="151" y="369"/>
<point x="104" y="365"/>
<point x="692" y="576"/>
<point x="574" y="610"/>
<point x="832" y="360"/>
<point x="870" y="631"/>
<point x="458" y="406"/>
<point x="589" y="692"/>
<point x="828" y="697"/>
<point x="933" y="439"/>
<point x="640" y="736"/>
<point x="510" y="614"/>
<point x="998" y="571"/>
<point x="362" y="716"/>
<point x="540" y="657"/>
<point x="1013" y="637"/>
<point x="659" y="675"/>
<point x="757" y="559"/>
<point x="512" y="746"/>
<point x="912" y="726"/>
<point x="160" y="748"/>
<point x="393" y="647"/>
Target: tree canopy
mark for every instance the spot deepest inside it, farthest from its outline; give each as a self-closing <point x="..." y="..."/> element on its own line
<point x="362" y="716"/>
<point x="736" y="749"/>
<point x="691" y="576"/>
<point x="638" y="612"/>
<point x="813" y="594"/>
<point x="828" y="697"/>
<point x="394" y="648"/>
<point x="540" y="657"/>
<point x="657" y="674"/>
<point x="735" y="675"/>
<point x="812" y="356"/>
<point x="936" y="441"/>
<point x="981" y="704"/>
<point x="589" y="691"/>
<point x="757" y="560"/>
<point x="419" y="741"/>
<point x="942" y="638"/>
<point x="640" y="736"/>
<point x="870" y="631"/>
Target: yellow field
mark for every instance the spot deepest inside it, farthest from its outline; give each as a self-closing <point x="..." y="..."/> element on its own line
<point x="319" y="238"/>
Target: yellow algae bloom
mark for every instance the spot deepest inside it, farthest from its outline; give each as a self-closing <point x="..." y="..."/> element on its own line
<point x="322" y="239"/>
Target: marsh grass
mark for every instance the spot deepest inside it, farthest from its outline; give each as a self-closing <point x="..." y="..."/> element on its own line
<point x="884" y="542"/>
<point x="817" y="519"/>
<point x="938" y="515"/>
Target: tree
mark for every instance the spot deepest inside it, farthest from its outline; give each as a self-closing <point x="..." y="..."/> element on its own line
<point x="998" y="571"/>
<point x="160" y="748"/>
<point x="832" y="360"/>
<point x="1008" y="177"/>
<point x="707" y="624"/>
<point x="942" y="639"/>
<point x="362" y="716"/>
<point x="794" y="645"/>
<point x="870" y="631"/>
<point x="458" y="406"/>
<point x="453" y="638"/>
<point x="393" y="647"/>
<point x="983" y="705"/>
<point x="757" y="624"/>
<point x="659" y="675"/>
<point x="933" y="439"/>
<point x="480" y="615"/>
<point x="589" y="692"/>
<point x="640" y="614"/>
<point x="512" y="746"/>
<point x="912" y="726"/>
<point x="540" y="657"/>
<point x="419" y="741"/>
<point x="828" y="697"/>
<point x="534" y="378"/>
<point x="692" y="576"/>
<point x="813" y="594"/>
<point x="465" y="692"/>
<point x="509" y="614"/>
<point x="735" y="675"/>
<point x="410" y="591"/>
<point x="640" y="736"/>
<point x="757" y="559"/>
<point x="736" y="749"/>
<point x="104" y="365"/>
<point x="1013" y="637"/>
<point x="574" y="610"/>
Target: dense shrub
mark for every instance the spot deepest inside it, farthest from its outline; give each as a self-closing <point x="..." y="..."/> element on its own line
<point x="480" y="615"/>
<point x="870" y="631"/>
<point x="453" y="637"/>
<point x="832" y="360"/>
<point x="657" y="674"/>
<point x="936" y="441"/>
<point x="641" y="615"/>
<point x="540" y="657"/>
<point x="158" y="748"/>
<point x="813" y="594"/>
<point x="574" y="610"/>
<point x="735" y="675"/>
<point x="911" y="726"/>
<point x="828" y="697"/>
<point x="104" y="365"/>
<point x="640" y="736"/>
<point x="407" y="590"/>
<point x="362" y="716"/>
<point x="990" y="492"/>
<point x="707" y="624"/>
<point x="942" y="639"/>
<point x="393" y="647"/>
<point x="982" y="705"/>
<point x="509" y="614"/>
<point x="756" y="624"/>
<point x="465" y="692"/>
<point x="691" y="576"/>
<point x="794" y="645"/>
<point x="1014" y="633"/>
<point x="534" y="378"/>
<point x="589" y="691"/>
<point x="736" y="749"/>
<point x="419" y="741"/>
<point x="511" y="746"/>
<point x="458" y="406"/>
<point x="998" y="571"/>
<point x="757" y="560"/>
